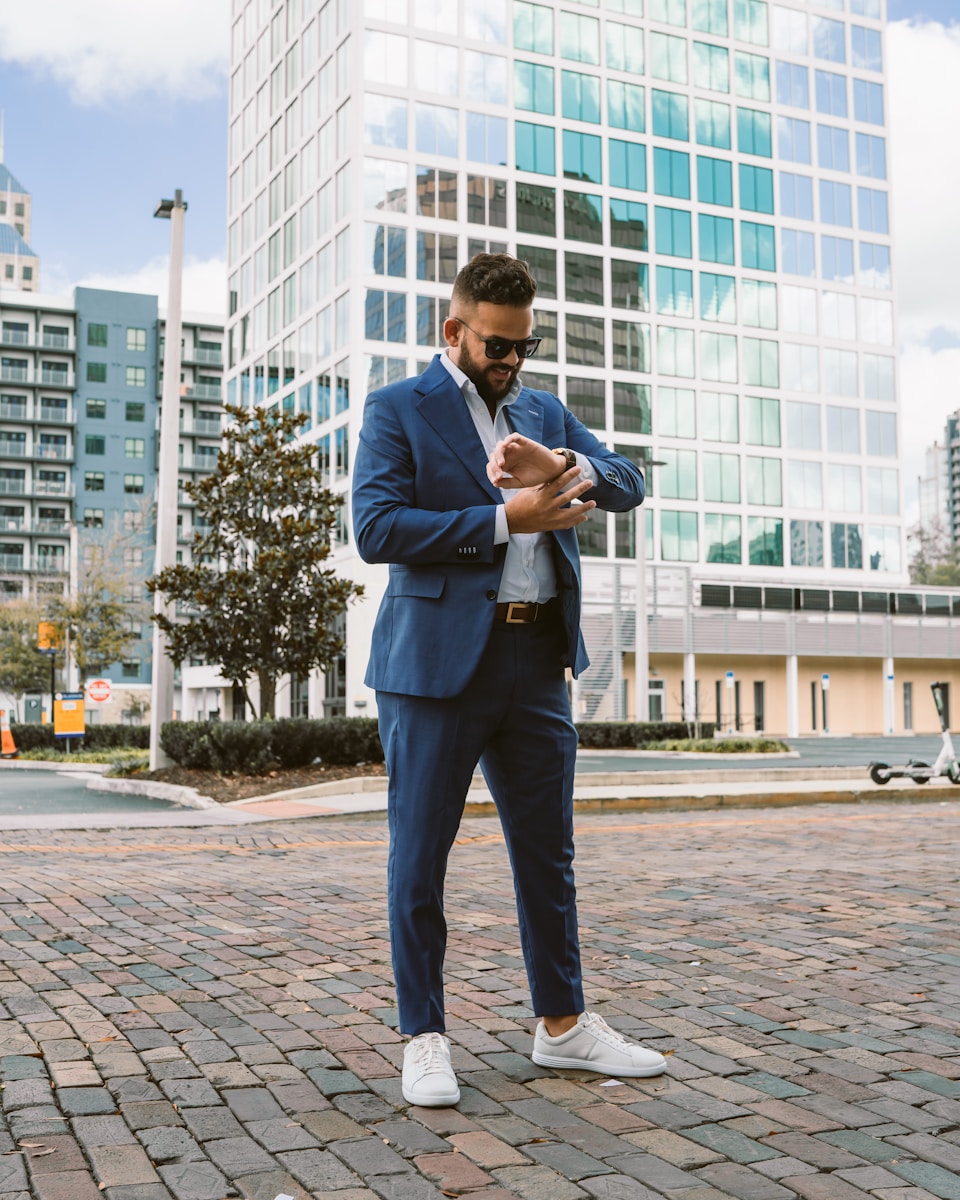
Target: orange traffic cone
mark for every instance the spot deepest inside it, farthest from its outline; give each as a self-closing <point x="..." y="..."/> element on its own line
<point x="8" y="748"/>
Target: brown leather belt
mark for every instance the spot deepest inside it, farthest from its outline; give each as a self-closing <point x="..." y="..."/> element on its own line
<point x="525" y="614"/>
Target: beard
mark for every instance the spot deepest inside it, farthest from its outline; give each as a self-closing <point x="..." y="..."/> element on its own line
<point x="492" y="378"/>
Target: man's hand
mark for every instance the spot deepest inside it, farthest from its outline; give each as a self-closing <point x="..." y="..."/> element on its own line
<point x="520" y="462"/>
<point x="547" y="506"/>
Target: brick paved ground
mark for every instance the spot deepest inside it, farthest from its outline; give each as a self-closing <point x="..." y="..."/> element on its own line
<point x="209" y="1014"/>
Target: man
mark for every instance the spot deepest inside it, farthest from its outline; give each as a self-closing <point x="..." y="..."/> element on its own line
<point x="471" y="487"/>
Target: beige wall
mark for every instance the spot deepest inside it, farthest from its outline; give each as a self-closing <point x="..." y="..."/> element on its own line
<point x="854" y="701"/>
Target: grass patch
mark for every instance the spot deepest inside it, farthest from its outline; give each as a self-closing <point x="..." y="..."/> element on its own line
<point x="720" y="745"/>
<point x="121" y="757"/>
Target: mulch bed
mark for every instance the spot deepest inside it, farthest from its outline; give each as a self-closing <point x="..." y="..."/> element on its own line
<point x="224" y="788"/>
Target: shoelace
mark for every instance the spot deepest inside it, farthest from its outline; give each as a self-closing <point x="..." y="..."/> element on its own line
<point x="429" y="1053"/>
<point x="596" y="1024"/>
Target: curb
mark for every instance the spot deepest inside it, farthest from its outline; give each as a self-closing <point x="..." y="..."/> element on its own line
<point x="186" y="796"/>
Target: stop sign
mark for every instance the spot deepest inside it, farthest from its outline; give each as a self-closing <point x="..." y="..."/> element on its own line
<point x="99" y="689"/>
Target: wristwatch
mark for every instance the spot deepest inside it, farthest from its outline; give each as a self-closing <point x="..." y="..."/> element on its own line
<point x="567" y="455"/>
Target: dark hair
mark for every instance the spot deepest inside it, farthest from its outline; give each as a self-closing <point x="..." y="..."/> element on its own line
<point x="495" y="279"/>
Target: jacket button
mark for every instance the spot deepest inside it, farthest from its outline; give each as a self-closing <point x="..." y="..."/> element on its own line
<point x="491" y="594"/>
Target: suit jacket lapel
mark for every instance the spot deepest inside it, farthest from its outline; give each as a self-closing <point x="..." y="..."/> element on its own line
<point x="443" y="407"/>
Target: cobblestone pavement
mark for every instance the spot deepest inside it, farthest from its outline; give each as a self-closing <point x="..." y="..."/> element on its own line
<point x="208" y="1013"/>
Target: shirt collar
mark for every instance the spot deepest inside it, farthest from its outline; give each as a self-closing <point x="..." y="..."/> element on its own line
<point x="463" y="381"/>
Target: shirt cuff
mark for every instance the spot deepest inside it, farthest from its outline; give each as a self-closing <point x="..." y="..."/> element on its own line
<point x="587" y="467"/>
<point x="501" y="531"/>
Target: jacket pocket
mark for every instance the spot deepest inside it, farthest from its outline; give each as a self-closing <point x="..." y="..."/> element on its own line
<point x="428" y="584"/>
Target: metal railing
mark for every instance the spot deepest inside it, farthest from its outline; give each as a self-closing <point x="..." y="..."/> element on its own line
<point x="46" y="451"/>
<point x="12" y="412"/>
<point x="56" y="341"/>
<point x="15" y="337"/>
<point x="14" y="374"/>
<point x="12" y="449"/>
<point x="56" y="378"/>
<point x="12" y="562"/>
<point x="13" y="487"/>
<point x="55" y="415"/>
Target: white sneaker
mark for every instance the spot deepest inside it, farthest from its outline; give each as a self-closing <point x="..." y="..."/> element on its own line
<point x="592" y="1045"/>
<point x="428" y="1078"/>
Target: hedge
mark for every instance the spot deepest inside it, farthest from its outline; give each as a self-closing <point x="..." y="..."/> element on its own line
<point x="96" y="737"/>
<point x="631" y="735"/>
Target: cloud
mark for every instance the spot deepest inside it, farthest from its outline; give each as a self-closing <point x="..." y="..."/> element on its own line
<point x="103" y="51"/>
<point x="204" y="283"/>
<point x="924" y="99"/>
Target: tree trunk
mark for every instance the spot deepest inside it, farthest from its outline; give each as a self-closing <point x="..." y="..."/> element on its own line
<point x="268" y="695"/>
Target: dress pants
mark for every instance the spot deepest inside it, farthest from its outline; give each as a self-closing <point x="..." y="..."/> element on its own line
<point x="514" y="719"/>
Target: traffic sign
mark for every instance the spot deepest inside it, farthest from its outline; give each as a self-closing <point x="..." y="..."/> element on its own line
<point x="825" y="682"/>
<point x="98" y="690"/>
<point x="729" y="679"/>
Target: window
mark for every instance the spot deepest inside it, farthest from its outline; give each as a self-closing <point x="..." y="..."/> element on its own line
<point x="831" y="92"/>
<point x="836" y="258"/>
<point x="625" y="106"/>
<point x="868" y="101"/>
<point x="793" y="139"/>
<point x="883" y="490"/>
<point x="582" y="217"/>
<point x="718" y="299"/>
<point x="533" y="87"/>
<point x="385" y="250"/>
<point x="753" y="132"/>
<point x="136" y="339"/>
<point x="486" y="139"/>
<point x="96" y="335"/>
<point x="676" y="412"/>
<point x="536" y="209"/>
<point x="96" y="372"/>
<point x="883" y="548"/>
<point x="881" y="429"/>
<point x="486" y="202"/>
<point x="95" y="443"/>
<point x="631" y="407"/>
<point x="793" y="85"/>
<point x="678" y="536"/>
<point x="840" y="315"/>
<point x="718" y="357"/>
<point x="631" y="346"/>
<point x="799" y="256"/>
<point x="133" y="485"/>
<point x="756" y="188"/>
<point x="876" y="321"/>
<point x="677" y="477"/>
<point x="94" y="481"/>
<point x="750" y="22"/>
<point x="871" y="156"/>
<point x="763" y="481"/>
<point x="668" y="12"/>
<point x="533" y="27"/>
<point x="96" y="410"/>
<point x="131" y="668"/>
<point x="843" y="488"/>
<point x="484" y="75"/>
<point x="836" y="203"/>
<point x="543" y="267"/>
<point x="582" y="157"/>
<point x="628" y="165"/>
<point x="136" y="376"/>
<point x="485" y="21"/>
<point x="833" y="148"/>
<point x="762" y="418"/>
<point x="800" y="367"/>
<point x="757" y="246"/>
<point x="384" y="121"/>
<point x="711" y="67"/>
<point x="580" y="96"/>
<point x="709" y="16"/>
<point x="874" y="265"/>
<point x="790" y="30"/>
<point x="585" y="341"/>
<point x="673" y="234"/>
<point x="586" y="400"/>
<point x="628" y="224"/>
<point x="630" y="286"/>
<point x="803" y="425"/>
<point x="712" y="123"/>
<point x="721" y="478"/>
<point x="579" y="38"/>
<point x="436" y="129"/>
<point x="865" y="48"/>
<point x="765" y="541"/>
<point x="674" y="292"/>
<point x="846" y="546"/>
<point x="536" y="150"/>
<point x="136" y="410"/>
<point x="828" y="40"/>
<point x="719" y="419"/>
<point x="671" y="115"/>
<point x="839" y="372"/>
<point x="668" y="57"/>
<point x="134" y="447"/>
<point x="671" y="173"/>
<point x="806" y="543"/>
<point x="799" y="309"/>
<point x="624" y="48"/>
<point x="584" y="278"/>
<point x="761" y="365"/>
<point x="753" y="76"/>
<point x="843" y="430"/>
<point x="93" y="518"/>
<point x="716" y="239"/>
<point x="675" y="352"/>
<point x="385" y="316"/>
<point x="433" y="64"/>
<point x="721" y="533"/>
<point x="714" y="181"/>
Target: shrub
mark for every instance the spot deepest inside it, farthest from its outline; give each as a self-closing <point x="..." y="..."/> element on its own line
<point x="345" y="741"/>
<point x="296" y="741"/>
<point x="186" y="742"/>
<point x="616" y="735"/>
<point x="241" y="747"/>
<point x="252" y="747"/>
<point x="96" y="737"/>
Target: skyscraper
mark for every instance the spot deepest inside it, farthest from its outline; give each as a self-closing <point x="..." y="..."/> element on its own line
<point x="701" y="189"/>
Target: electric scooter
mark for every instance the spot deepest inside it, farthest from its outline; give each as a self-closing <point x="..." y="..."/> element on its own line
<point x="946" y="762"/>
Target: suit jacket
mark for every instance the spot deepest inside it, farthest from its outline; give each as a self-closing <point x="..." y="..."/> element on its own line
<point x="422" y="503"/>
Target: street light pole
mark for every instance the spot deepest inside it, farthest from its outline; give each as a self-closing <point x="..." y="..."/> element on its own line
<point x="161" y="688"/>
<point x="641" y="655"/>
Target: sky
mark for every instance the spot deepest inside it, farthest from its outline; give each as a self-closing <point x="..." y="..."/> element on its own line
<point x="104" y="114"/>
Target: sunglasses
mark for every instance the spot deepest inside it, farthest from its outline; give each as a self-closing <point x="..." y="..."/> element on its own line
<point x="497" y="347"/>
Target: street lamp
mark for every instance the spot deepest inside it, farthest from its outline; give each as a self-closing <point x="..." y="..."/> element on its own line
<point x="641" y="655"/>
<point x="161" y="687"/>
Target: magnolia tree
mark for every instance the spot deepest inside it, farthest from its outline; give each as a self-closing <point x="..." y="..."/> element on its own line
<point x="260" y="598"/>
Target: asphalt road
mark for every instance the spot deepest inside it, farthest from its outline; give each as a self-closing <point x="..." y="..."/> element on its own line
<point x="35" y="793"/>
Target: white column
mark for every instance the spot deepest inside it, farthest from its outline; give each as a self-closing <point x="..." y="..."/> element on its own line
<point x="793" y="698"/>
<point x="161" y="698"/>
<point x="889" y="702"/>
<point x="689" y="687"/>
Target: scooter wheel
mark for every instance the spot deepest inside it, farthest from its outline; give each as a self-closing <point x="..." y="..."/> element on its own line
<point x="920" y="778"/>
<point x="880" y="773"/>
<point x="953" y="772"/>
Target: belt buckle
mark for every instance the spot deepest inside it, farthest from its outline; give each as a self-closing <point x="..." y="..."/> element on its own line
<point x="511" y="619"/>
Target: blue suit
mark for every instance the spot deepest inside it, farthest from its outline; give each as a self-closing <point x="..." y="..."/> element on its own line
<point x="455" y="687"/>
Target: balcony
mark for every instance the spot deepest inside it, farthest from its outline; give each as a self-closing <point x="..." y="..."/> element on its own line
<point x="13" y="524"/>
<point x="11" y="410"/>
<point x="54" y="564"/>
<point x="60" y="453"/>
<point x="56" y="341"/>
<point x="13" y="487"/>
<point x="200" y="428"/>
<point x="63" y="379"/>
<point x="62" y="527"/>
<point x="204" y="391"/>
<point x="55" y="415"/>
<point x="12" y="564"/>
<point x="197" y="462"/>
<point x="10" y="374"/>
<point x="14" y="337"/>
<point x="12" y="449"/>
<point x="213" y="358"/>
<point x="51" y="487"/>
